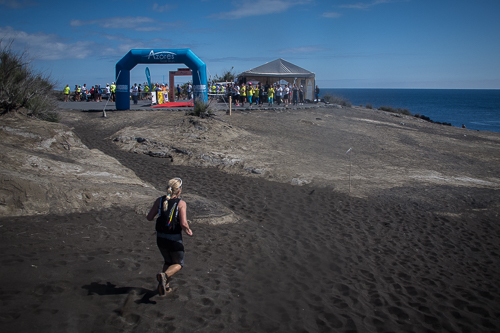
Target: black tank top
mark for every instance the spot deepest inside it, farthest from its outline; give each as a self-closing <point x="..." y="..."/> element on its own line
<point x="168" y="221"/>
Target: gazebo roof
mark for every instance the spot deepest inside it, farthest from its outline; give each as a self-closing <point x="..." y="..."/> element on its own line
<point x="278" y="68"/>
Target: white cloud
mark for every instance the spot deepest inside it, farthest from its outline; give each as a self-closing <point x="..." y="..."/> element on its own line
<point x="331" y="15"/>
<point x="18" y="4"/>
<point x="303" y="49"/>
<point x="138" y="23"/>
<point x="259" y="7"/>
<point x="43" y="46"/>
<point x="125" y="44"/>
<point x="46" y="46"/>
<point x="126" y="40"/>
<point x="160" y="9"/>
<point x="365" y="6"/>
<point x="237" y="59"/>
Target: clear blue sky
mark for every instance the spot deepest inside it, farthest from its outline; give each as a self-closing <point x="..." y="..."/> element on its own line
<point x="348" y="44"/>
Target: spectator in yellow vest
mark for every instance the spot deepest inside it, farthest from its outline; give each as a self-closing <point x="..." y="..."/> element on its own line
<point x="270" y="95"/>
<point x="113" y="89"/>
<point x="250" y="93"/>
<point x="66" y="93"/>
<point x="243" y="94"/>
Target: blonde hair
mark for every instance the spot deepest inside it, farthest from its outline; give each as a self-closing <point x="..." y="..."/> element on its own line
<point x="173" y="188"/>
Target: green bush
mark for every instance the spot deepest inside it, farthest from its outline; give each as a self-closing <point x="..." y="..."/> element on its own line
<point x="184" y="89"/>
<point x="394" y="110"/>
<point x="337" y="100"/>
<point x="22" y="87"/>
<point x="369" y="106"/>
<point x="201" y="109"/>
<point x="423" y="117"/>
<point x="226" y="76"/>
<point x="59" y="95"/>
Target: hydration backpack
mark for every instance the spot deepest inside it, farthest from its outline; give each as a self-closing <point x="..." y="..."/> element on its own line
<point x="167" y="221"/>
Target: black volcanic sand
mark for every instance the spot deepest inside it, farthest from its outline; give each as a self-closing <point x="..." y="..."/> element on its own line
<point x="302" y="259"/>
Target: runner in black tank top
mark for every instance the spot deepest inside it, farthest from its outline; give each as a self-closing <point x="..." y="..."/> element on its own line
<point x="171" y="221"/>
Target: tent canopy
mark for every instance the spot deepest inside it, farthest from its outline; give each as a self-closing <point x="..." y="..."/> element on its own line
<point x="278" y="68"/>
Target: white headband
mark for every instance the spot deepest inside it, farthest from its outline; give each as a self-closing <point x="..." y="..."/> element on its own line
<point x="181" y="182"/>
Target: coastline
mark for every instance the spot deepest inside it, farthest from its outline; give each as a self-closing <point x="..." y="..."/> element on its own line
<point x="406" y="250"/>
<point x="478" y="109"/>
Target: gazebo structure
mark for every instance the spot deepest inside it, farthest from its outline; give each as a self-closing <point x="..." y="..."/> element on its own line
<point x="278" y="70"/>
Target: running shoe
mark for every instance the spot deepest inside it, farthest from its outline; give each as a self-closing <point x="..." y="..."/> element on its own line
<point x="162" y="283"/>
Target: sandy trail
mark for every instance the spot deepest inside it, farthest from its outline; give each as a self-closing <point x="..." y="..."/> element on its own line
<point x="395" y="255"/>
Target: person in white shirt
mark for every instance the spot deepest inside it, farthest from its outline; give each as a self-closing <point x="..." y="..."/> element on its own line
<point x="287" y="95"/>
<point x="237" y="95"/>
<point x="279" y="94"/>
<point x="135" y="90"/>
<point x="84" y="92"/>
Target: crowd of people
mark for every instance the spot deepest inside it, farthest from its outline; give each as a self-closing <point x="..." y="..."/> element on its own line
<point x="83" y="94"/>
<point x="260" y="94"/>
<point x="162" y="92"/>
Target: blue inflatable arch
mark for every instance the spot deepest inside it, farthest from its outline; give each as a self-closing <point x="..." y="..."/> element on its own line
<point x="158" y="56"/>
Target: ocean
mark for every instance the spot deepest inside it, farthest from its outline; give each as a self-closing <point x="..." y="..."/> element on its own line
<point x="477" y="109"/>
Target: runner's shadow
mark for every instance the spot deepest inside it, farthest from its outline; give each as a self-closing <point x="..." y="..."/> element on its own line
<point x="111" y="289"/>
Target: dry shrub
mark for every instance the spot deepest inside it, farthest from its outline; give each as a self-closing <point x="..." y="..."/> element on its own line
<point x="22" y="87"/>
<point x="337" y="100"/>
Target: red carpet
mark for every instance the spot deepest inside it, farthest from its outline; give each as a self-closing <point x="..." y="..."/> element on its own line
<point x="174" y="104"/>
